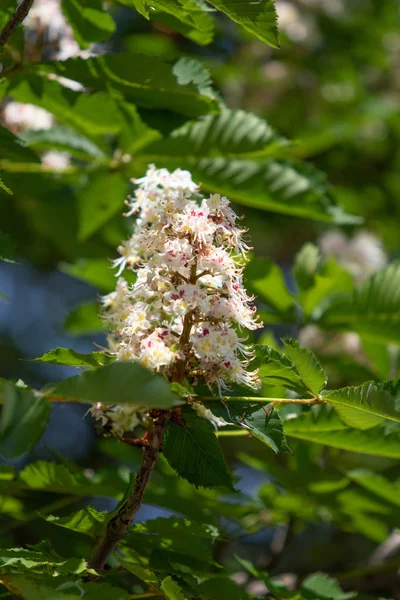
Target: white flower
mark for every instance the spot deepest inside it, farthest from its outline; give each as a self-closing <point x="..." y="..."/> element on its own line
<point x="20" y="117"/>
<point x="183" y="314"/>
<point x="55" y="160"/>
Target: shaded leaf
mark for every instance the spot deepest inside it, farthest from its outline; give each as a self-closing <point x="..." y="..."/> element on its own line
<point x="306" y="265"/>
<point x="265" y="279"/>
<point x="194" y="452"/>
<point x="275" y="368"/>
<point x="88" y="520"/>
<point x="117" y="383"/>
<point x="89" y="21"/>
<point x="85" y="319"/>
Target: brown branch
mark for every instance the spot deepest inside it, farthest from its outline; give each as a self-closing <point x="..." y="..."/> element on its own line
<point x="18" y="16"/>
<point x="118" y="526"/>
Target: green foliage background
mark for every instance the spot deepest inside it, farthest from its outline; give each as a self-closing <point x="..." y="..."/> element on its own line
<point x="303" y="138"/>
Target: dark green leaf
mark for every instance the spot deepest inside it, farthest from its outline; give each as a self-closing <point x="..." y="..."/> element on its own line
<point x="194" y="452"/>
<point x="6" y="247"/>
<point x="222" y="587"/>
<point x="275" y="368"/>
<point x="68" y="357"/>
<point x="23" y="419"/>
<point x="89" y="21"/>
<point x="117" y="383"/>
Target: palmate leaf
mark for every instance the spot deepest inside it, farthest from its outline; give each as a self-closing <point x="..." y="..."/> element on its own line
<point x="94" y="271"/>
<point x="275" y="368"/>
<point x="372" y="310"/>
<point x="117" y="383"/>
<point x="88" y="521"/>
<point x="23" y="419"/>
<point x="306" y="266"/>
<point x="221" y="587"/>
<point x="370" y="399"/>
<point x="153" y="83"/>
<point x="377" y="484"/>
<point x="320" y="586"/>
<point x="325" y="428"/>
<point x="63" y="138"/>
<point x="231" y="133"/>
<point x="41" y="587"/>
<point x="258" y="18"/>
<point x="68" y="357"/>
<point x="193" y="451"/>
<point x="4" y="188"/>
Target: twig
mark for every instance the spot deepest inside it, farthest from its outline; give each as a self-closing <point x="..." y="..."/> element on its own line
<point x="118" y="526"/>
<point x="279" y="544"/>
<point x="18" y="16"/>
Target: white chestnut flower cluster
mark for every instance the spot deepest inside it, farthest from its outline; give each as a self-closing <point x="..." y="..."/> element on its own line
<point x="185" y="315"/>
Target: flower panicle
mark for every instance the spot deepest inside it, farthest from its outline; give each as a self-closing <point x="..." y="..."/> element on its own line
<point x="184" y="315"/>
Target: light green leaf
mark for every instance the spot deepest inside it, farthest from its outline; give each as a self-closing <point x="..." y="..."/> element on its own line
<point x="370" y="399"/>
<point x="68" y="357"/>
<point x="4" y="188"/>
<point x="257" y="17"/>
<point x="194" y="452"/>
<point x="330" y="431"/>
<point x="117" y="383"/>
<point x="85" y="319"/>
<point x="21" y="560"/>
<point x="372" y="310"/>
<point x="275" y="368"/>
<point x="265" y="279"/>
<point x="95" y="271"/>
<point x="320" y="586"/>
<point x="88" y="520"/>
<point x="172" y="589"/>
<point x="306" y="265"/>
<point x="99" y="200"/>
<point x="89" y="21"/>
<point x="23" y="419"/>
<point x="309" y="369"/>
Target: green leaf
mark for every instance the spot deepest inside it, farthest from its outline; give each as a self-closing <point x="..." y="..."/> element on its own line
<point x="189" y="17"/>
<point x="233" y="133"/>
<point x="275" y="368"/>
<point x="63" y="139"/>
<point x="20" y="560"/>
<point x="23" y="419"/>
<point x="117" y="383"/>
<point x="89" y="21"/>
<point x="88" y="520"/>
<point x="194" y="452"/>
<point x="370" y="399"/>
<point x="328" y="430"/>
<point x="48" y="587"/>
<point x="222" y="587"/>
<point x="172" y="589"/>
<point x="257" y="17"/>
<point x="151" y="84"/>
<point x="309" y="369"/>
<point x="320" y="586"/>
<point x="306" y="266"/>
<point x="95" y="271"/>
<point x="68" y="357"/>
<point x="99" y="200"/>
<point x="283" y="186"/>
<point x="377" y="484"/>
<point x="178" y="526"/>
<point x="372" y="310"/>
<point x="85" y="319"/>
<point x="268" y="428"/>
<point x="265" y="279"/>
<point x="13" y="149"/>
